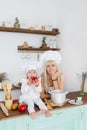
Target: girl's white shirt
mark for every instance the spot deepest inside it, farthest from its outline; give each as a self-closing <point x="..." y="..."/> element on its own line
<point x="30" y="92"/>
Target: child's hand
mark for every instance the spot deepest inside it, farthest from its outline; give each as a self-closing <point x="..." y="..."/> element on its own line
<point x="35" y="81"/>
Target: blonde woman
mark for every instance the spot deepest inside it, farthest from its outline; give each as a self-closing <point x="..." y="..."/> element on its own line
<point x="51" y="78"/>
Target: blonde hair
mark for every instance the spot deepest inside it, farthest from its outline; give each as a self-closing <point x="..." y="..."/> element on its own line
<point x="46" y="75"/>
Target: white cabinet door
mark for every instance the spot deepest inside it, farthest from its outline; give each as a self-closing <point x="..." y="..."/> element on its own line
<point x="60" y="120"/>
<point x="3" y="125"/>
<point x="76" y="115"/>
<point x="18" y="123"/>
<point x="81" y="118"/>
<point x="85" y="116"/>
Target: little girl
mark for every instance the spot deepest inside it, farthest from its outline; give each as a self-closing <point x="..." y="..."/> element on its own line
<point x="30" y="89"/>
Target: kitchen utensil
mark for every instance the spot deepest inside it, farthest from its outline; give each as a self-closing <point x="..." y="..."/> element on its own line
<point x="82" y="76"/>
<point x="58" y="96"/>
<point x="8" y="104"/>
<point x="4" y="109"/>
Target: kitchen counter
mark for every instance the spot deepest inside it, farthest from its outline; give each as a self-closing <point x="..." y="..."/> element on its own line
<point x="71" y="95"/>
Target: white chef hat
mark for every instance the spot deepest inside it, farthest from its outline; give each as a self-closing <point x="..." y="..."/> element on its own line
<point x="32" y="65"/>
<point x="49" y="55"/>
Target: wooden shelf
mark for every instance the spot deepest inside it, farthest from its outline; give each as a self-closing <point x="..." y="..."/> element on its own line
<point x="37" y="49"/>
<point x="21" y="30"/>
<point x="13" y="88"/>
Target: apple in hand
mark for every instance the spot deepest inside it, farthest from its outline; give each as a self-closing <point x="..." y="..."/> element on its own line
<point x="22" y="107"/>
<point x="34" y="79"/>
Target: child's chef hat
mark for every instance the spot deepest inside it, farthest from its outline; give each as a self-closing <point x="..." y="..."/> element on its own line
<point x="49" y="55"/>
<point x="32" y="65"/>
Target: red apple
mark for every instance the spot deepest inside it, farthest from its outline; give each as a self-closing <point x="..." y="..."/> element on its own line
<point x="15" y="101"/>
<point x="34" y="79"/>
<point x="22" y="107"/>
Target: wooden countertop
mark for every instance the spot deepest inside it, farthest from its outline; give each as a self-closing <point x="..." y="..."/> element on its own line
<point x="71" y="95"/>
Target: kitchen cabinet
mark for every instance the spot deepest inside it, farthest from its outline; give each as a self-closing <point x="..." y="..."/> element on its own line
<point x="76" y="122"/>
<point x="3" y="125"/>
<point x="82" y="117"/>
<point x="73" y="118"/>
<point x="85" y="117"/>
<point x="60" y="120"/>
<point x="80" y="120"/>
<point x="7" y="125"/>
<point x="21" y="123"/>
<point x="16" y="123"/>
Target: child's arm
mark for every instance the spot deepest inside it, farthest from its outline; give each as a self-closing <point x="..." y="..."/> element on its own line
<point x="24" y="89"/>
<point x="37" y="84"/>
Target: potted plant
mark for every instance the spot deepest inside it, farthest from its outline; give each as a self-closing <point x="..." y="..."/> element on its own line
<point x="44" y="45"/>
<point x="16" y="24"/>
<point x="79" y="97"/>
<point x="3" y="76"/>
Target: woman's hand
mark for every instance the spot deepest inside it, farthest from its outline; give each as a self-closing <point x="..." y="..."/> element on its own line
<point x="45" y="95"/>
<point x="55" y="76"/>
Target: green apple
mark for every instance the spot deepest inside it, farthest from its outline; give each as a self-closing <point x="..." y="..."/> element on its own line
<point x="14" y="106"/>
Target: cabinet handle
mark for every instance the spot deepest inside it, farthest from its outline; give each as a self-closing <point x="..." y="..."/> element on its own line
<point x="57" y="114"/>
<point x="82" y="112"/>
<point x="27" y="126"/>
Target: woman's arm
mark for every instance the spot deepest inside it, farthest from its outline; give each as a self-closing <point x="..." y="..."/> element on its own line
<point x="55" y="77"/>
<point x="57" y="85"/>
<point x="62" y="81"/>
<point x="44" y="95"/>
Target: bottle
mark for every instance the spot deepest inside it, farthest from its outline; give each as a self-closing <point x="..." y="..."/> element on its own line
<point x="3" y="24"/>
<point x="51" y="43"/>
<point x="54" y="43"/>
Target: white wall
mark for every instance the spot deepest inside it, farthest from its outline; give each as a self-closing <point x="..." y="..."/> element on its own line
<point x="69" y="16"/>
<point x="72" y="21"/>
<point x="29" y="12"/>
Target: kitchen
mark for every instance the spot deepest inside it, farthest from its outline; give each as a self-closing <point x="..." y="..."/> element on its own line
<point x="68" y="16"/>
